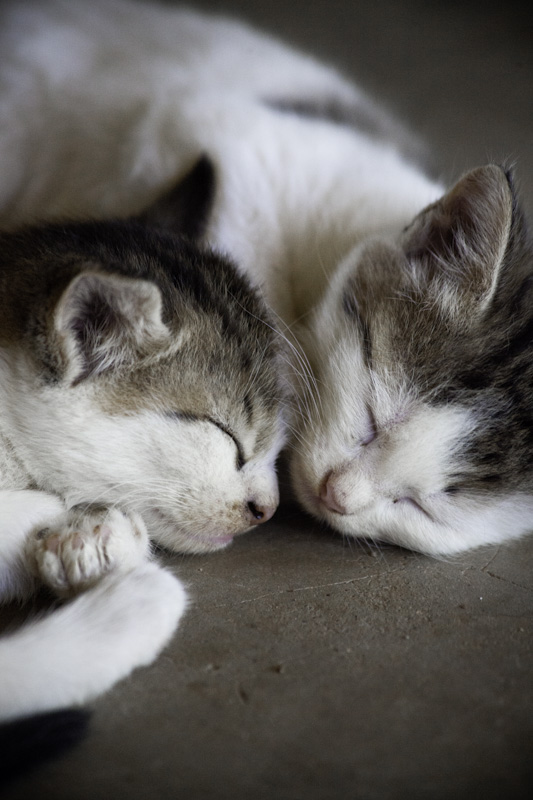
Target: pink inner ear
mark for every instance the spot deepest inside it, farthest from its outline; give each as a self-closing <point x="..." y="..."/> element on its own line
<point x="110" y="319"/>
<point x="462" y="238"/>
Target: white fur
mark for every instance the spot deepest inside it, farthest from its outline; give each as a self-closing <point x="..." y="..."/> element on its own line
<point x="21" y="512"/>
<point x="295" y="200"/>
<point x="107" y="473"/>
<point x="82" y="649"/>
<point x="88" y="645"/>
<point x="181" y="477"/>
<point x="79" y="546"/>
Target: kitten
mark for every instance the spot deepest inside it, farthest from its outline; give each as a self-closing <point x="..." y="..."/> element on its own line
<point x="139" y="394"/>
<point x="408" y="299"/>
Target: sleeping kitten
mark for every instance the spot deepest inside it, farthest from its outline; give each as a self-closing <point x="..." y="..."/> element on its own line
<point x="409" y="300"/>
<point x="139" y="395"/>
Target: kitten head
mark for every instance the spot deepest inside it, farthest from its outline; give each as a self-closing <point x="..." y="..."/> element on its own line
<point x="140" y="371"/>
<point x="420" y="429"/>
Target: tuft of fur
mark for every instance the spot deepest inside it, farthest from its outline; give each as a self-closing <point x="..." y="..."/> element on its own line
<point x="405" y="300"/>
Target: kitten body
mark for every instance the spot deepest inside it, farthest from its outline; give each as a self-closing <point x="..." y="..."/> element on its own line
<point x="407" y="298"/>
<point x="139" y="397"/>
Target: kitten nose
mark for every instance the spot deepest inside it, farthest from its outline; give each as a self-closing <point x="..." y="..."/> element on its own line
<point x="260" y="512"/>
<point x="330" y="495"/>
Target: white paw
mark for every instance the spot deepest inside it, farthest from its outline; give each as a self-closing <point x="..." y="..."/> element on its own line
<point x="83" y="544"/>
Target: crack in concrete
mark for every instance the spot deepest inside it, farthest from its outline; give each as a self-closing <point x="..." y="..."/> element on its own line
<point x="318" y="586"/>
<point x="489" y="562"/>
<point x="506" y="580"/>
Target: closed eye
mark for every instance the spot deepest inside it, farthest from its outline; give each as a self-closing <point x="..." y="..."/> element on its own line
<point x="187" y="416"/>
<point x="414" y="504"/>
<point x="241" y="461"/>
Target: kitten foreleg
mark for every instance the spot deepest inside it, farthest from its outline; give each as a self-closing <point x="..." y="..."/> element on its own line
<point x="20" y="512"/>
<point x="81" y="649"/>
<point x="82" y="545"/>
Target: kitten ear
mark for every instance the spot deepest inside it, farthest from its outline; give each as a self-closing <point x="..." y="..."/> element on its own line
<point x="106" y="320"/>
<point x="186" y="207"/>
<point x="461" y="241"/>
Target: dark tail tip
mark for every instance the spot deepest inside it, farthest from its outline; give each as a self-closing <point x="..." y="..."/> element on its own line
<point x="27" y="743"/>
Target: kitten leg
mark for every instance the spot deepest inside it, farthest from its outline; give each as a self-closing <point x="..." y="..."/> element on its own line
<point x="83" y="544"/>
<point x="20" y="512"/>
<point x="81" y="649"/>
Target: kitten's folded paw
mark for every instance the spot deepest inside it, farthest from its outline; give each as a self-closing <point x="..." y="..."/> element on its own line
<point x="85" y="543"/>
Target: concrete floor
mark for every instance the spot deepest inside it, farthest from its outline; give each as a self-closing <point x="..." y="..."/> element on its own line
<point x="310" y="668"/>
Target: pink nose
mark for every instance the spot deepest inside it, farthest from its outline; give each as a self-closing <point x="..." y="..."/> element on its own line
<point x="329" y="494"/>
<point x="260" y="512"/>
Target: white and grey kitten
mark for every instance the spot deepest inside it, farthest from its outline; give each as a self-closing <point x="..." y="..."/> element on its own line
<point x="139" y="398"/>
<point x="410" y="300"/>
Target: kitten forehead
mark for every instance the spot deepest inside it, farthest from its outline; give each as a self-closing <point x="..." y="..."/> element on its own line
<point x="185" y="384"/>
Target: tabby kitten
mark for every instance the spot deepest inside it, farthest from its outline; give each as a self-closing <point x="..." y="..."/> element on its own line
<point x="139" y="394"/>
<point x="408" y="299"/>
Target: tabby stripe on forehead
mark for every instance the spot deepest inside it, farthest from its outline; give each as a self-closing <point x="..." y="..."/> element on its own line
<point x="351" y="309"/>
<point x="188" y="416"/>
<point x="248" y="407"/>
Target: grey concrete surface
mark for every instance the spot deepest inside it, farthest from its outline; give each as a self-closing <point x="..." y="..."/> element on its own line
<point x="312" y="668"/>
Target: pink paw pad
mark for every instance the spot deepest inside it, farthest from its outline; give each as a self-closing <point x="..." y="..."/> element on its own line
<point x="52" y="544"/>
